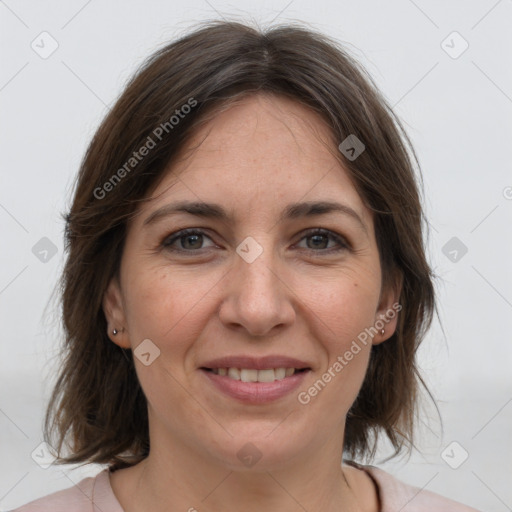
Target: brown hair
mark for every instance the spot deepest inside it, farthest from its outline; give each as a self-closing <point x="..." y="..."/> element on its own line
<point x="97" y="407"/>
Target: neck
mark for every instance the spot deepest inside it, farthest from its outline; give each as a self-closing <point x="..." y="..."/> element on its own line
<point x="179" y="478"/>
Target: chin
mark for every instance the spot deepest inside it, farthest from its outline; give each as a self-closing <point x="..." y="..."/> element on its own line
<point x="258" y="451"/>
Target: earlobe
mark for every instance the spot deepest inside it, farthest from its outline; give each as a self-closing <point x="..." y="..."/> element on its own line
<point x="386" y="319"/>
<point x="114" y="313"/>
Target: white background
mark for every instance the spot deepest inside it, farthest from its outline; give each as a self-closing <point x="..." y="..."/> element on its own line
<point x="457" y="111"/>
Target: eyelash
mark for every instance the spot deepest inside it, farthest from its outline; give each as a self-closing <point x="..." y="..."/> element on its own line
<point x="169" y="240"/>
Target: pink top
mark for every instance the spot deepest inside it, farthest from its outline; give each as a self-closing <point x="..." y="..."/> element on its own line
<point x="94" y="494"/>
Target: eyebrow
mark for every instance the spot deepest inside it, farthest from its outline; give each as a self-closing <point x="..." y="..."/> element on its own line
<point x="215" y="211"/>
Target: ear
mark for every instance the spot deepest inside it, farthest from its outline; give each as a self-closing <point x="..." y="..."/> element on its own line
<point x="388" y="310"/>
<point x="114" y="313"/>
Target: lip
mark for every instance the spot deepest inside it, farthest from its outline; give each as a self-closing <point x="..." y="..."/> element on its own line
<point x="255" y="392"/>
<point x="256" y="363"/>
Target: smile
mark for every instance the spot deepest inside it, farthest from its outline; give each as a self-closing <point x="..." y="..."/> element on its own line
<point x="251" y="386"/>
<point x="253" y="375"/>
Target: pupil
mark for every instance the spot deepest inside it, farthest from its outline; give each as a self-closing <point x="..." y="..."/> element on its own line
<point x="317" y="237"/>
<point x="187" y="238"/>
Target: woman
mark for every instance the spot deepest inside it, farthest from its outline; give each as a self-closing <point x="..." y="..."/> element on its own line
<point x="246" y="286"/>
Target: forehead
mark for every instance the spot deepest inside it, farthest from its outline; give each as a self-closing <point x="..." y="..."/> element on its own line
<point x="258" y="155"/>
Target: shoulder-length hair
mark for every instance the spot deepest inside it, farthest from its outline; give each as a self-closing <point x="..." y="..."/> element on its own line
<point x="97" y="407"/>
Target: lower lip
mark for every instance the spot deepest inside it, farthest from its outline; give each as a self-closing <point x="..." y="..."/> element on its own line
<point x="256" y="392"/>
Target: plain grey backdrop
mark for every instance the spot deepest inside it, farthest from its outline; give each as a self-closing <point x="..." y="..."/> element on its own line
<point x="443" y="65"/>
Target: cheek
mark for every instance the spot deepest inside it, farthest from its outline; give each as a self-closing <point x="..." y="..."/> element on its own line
<point x="341" y="313"/>
<point x="166" y="307"/>
<point x="344" y="305"/>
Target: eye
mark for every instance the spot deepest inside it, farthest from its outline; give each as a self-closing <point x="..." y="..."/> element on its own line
<point x="190" y="240"/>
<point x="320" y="237"/>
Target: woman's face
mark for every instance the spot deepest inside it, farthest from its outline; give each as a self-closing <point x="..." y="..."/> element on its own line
<point x="250" y="290"/>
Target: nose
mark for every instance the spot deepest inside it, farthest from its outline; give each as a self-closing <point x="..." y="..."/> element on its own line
<point x="257" y="297"/>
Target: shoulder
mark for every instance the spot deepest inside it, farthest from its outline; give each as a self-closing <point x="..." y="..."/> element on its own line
<point x="91" y="493"/>
<point x="397" y="495"/>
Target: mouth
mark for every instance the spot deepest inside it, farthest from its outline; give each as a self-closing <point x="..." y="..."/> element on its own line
<point x="255" y="375"/>
<point x="254" y="381"/>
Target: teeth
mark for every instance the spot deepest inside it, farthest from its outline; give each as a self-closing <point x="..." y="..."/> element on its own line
<point x="249" y="375"/>
<point x="234" y="373"/>
<point x="252" y="375"/>
<point x="280" y="373"/>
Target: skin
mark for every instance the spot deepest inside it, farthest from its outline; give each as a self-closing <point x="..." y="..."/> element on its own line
<point x="297" y="298"/>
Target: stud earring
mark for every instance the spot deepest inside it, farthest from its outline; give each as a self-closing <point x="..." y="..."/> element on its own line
<point x="114" y="332"/>
<point x="382" y="332"/>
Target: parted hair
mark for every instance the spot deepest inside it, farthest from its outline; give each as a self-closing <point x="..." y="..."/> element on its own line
<point x="97" y="412"/>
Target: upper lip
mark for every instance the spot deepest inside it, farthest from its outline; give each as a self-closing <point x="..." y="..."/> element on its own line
<point x="256" y="363"/>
